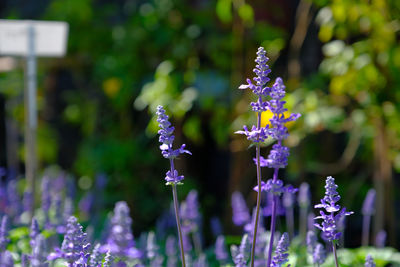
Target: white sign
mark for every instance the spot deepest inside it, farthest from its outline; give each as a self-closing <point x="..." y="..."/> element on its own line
<point x="50" y="37"/>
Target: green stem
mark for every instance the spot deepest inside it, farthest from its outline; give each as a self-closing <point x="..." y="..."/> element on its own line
<point x="253" y="248"/>
<point x="335" y="254"/>
<point x="178" y="223"/>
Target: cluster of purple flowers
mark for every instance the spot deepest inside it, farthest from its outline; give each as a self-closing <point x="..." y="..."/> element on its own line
<point x="329" y="225"/>
<point x="276" y="130"/>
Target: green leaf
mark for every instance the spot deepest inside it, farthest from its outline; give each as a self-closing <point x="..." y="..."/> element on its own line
<point x="224" y="10"/>
<point x="246" y="13"/>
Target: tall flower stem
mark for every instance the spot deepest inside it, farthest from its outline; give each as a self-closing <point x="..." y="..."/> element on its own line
<point x="178" y="223"/>
<point x="335" y="254"/>
<point x="253" y="248"/>
<point x="273" y="221"/>
<point x="172" y="176"/>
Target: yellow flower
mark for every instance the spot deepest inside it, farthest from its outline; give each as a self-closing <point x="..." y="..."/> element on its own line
<point x="267" y="115"/>
<point x="112" y="86"/>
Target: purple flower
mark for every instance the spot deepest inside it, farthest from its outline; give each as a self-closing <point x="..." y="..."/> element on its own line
<point x="255" y="135"/>
<point x="330" y="223"/>
<point x="281" y="255"/>
<point x="108" y="259"/>
<point x="220" y="250"/>
<point x="167" y="137"/>
<point x="278" y="131"/>
<point x="25" y="262"/>
<point x="304" y="195"/>
<point x="277" y="157"/>
<point x="248" y="228"/>
<point x="39" y="252"/>
<point x="173" y="177"/>
<point x="267" y="209"/>
<point x="319" y="254"/>
<point x="368" y="207"/>
<point x="14" y="202"/>
<point x="263" y="161"/>
<point x="120" y="240"/>
<point x="46" y="200"/>
<point x="170" y="246"/>
<point x="240" y="254"/>
<point x="261" y="70"/>
<point x="74" y="248"/>
<point x="151" y="246"/>
<point x="187" y="245"/>
<point x="380" y="239"/>
<point x="96" y="257"/>
<point x="189" y="212"/>
<point x="34" y="231"/>
<point x="4" y="233"/>
<point x="27" y="201"/>
<point x="311" y="241"/>
<point x="276" y="187"/>
<point x="201" y="261"/>
<point x="6" y="259"/>
<point x="216" y="226"/>
<point x="240" y="212"/>
<point x="369" y="261"/>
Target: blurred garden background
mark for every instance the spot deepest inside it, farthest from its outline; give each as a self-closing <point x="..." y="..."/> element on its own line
<point x="340" y="60"/>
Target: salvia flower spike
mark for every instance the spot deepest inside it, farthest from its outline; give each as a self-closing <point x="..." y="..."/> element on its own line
<point x="240" y="212"/>
<point x="4" y="240"/>
<point x="334" y="214"/>
<point x="279" y="154"/>
<point x="281" y="255"/>
<point x="258" y="134"/>
<point x="369" y="261"/>
<point x="319" y="254"/>
<point x="172" y="176"/>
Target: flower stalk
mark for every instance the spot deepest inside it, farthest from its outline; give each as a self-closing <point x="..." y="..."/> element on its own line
<point x="258" y="134"/>
<point x="172" y="177"/>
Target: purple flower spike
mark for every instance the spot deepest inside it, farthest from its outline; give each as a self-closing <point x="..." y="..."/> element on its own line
<point x="74" y="248"/>
<point x="319" y="254"/>
<point x="27" y="201"/>
<point x="278" y="156"/>
<point x="4" y="233"/>
<point x="25" y="262"/>
<point x="39" y="252"/>
<point x="369" y="261"/>
<point x="380" y="239"/>
<point x="311" y="241"/>
<point x="261" y="70"/>
<point x="96" y="257"/>
<point x="120" y="241"/>
<point x="189" y="212"/>
<point x="240" y="212"/>
<point x="173" y="177"/>
<point x="6" y="259"/>
<point x="281" y="255"/>
<point x="304" y="195"/>
<point x="368" y="207"/>
<point x="167" y="137"/>
<point x="263" y="161"/>
<point x="35" y="231"/>
<point x="241" y="253"/>
<point x="220" y="250"/>
<point x="331" y="221"/>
